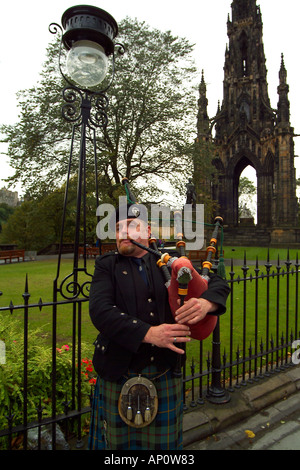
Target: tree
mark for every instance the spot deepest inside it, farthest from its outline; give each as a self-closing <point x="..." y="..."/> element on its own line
<point x="21" y="227"/>
<point x="151" y="118"/>
<point x="5" y="212"/>
<point x="46" y="213"/>
<point x="246" y="191"/>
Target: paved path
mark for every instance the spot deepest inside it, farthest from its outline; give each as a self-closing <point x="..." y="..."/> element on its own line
<point x="269" y="409"/>
<point x="276" y="427"/>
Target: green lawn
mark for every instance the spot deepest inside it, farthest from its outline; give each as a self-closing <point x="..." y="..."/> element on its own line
<point x="41" y="275"/>
<point x="237" y="252"/>
<point x="256" y="319"/>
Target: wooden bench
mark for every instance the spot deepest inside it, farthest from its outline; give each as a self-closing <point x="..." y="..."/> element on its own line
<point x="93" y="251"/>
<point x="12" y="254"/>
<point x="107" y="247"/>
<point x="197" y="255"/>
<point x="89" y="250"/>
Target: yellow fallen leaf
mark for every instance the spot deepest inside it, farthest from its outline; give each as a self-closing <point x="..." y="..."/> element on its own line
<point x="249" y="434"/>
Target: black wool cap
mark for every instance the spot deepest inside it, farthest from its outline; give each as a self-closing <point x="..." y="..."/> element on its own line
<point x="128" y="211"/>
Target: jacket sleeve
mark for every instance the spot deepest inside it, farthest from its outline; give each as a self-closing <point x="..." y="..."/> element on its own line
<point x="113" y="323"/>
<point x="217" y="292"/>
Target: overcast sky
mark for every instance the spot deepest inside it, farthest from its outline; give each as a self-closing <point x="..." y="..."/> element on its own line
<point x="24" y="37"/>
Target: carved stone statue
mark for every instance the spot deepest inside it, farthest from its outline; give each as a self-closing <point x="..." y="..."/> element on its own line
<point x="191" y="194"/>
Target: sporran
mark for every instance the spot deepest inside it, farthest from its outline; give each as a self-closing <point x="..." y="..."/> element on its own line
<point x="138" y="402"/>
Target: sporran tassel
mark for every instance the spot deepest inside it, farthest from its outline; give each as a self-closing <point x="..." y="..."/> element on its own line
<point x="129" y="409"/>
<point x="138" y="420"/>
<point x="147" y="416"/>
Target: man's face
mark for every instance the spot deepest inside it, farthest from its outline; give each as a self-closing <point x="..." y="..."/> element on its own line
<point x="132" y="229"/>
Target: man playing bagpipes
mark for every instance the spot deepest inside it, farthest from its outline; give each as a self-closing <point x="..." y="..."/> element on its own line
<point x="138" y="403"/>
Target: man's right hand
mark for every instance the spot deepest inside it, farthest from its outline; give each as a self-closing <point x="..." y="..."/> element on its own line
<point x="167" y="335"/>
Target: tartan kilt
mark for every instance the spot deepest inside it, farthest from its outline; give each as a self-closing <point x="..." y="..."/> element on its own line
<point x="109" y="432"/>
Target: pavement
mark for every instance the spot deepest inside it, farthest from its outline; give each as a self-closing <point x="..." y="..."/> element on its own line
<point x="262" y="416"/>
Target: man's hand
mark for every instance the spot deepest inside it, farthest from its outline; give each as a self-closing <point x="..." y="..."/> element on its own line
<point x="167" y="335"/>
<point x="194" y="310"/>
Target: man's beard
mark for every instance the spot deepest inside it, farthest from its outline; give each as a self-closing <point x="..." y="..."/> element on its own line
<point x="126" y="249"/>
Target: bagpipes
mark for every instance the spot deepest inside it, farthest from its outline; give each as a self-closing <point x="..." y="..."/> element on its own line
<point x="184" y="281"/>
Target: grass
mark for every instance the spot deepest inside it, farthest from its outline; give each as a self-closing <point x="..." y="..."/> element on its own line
<point x="41" y="275"/>
<point x="256" y="319"/>
<point x="237" y="252"/>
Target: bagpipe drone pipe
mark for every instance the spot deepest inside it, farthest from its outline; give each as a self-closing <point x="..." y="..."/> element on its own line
<point x="182" y="280"/>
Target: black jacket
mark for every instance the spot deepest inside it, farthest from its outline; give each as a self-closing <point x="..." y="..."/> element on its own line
<point x="123" y="309"/>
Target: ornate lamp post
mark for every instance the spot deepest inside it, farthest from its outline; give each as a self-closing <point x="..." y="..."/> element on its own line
<point x="87" y="34"/>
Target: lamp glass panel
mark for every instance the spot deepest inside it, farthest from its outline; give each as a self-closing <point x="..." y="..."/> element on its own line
<point x="87" y="63"/>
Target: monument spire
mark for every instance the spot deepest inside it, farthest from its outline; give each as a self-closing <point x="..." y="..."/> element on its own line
<point x="248" y="131"/>
<point x="202" y="119"/>
<point x="283" y="102"/>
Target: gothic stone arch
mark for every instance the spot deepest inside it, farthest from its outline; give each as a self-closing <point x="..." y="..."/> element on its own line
<point x="229" y="182"/>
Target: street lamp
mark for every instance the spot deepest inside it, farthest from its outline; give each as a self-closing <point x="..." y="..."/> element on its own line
<point x="87" y="35"/>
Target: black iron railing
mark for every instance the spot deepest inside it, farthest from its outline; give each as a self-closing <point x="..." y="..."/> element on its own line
<point x="256" y="337"/>
<point x="253" y="340"/>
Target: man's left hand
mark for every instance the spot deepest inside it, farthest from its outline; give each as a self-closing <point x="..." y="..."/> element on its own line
<point x="194" y="310"/>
